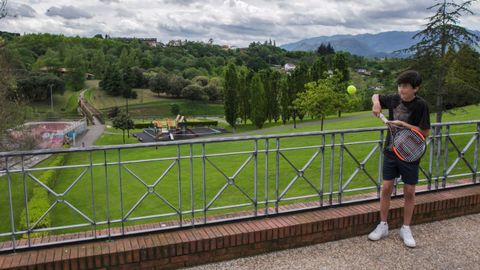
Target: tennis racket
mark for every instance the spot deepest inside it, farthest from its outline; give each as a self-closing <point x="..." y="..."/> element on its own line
<point x="407" y="144"/>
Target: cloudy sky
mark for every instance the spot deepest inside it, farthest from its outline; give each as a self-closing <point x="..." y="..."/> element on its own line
<point x="233" y="22"/>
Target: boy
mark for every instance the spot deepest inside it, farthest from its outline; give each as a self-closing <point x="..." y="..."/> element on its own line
<point x="405" y="109"/>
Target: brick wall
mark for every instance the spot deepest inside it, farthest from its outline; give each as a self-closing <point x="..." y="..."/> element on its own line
<point x="167" y="250"/>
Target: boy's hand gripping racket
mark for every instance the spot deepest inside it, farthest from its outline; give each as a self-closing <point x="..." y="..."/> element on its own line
<point x="407" y="144"/>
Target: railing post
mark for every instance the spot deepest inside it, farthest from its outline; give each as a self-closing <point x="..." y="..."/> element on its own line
<point x="340" y="170"/>
<point x="25" y="196"/>
<point x="332" y="160"/>
<point x="255" y="179"/>
<point x="266" y="178"/>
<point x="121" y="191"/>
<point x="438" y="140"/>
<point x="445" y="158"/>
<point x="204" y="186"/>
<point x="10" y="202"/>
<point x="475" y="155"/>
<point x="277" y="172"/>
<point x="192" y="194"/>
<point x="430" y="162"/>
<point x="179" y="186"/>
<point x="322" y="171"/>
<point x="380" y="165"/>
<point x="93" y="196"/>
<point x="107" y="205"/>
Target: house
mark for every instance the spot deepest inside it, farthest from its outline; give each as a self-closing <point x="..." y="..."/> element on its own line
<point x="289" y="67"/>
<point x="363" y="71"/>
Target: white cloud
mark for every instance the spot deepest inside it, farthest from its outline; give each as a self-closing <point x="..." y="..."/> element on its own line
<point x="235" y="22"/>
<point x="68" y="12"/>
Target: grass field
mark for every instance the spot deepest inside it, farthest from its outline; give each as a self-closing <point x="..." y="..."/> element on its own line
<point x="216" y="168"/>
<point x="149" y="105"/>
<point x="63" y="106"/>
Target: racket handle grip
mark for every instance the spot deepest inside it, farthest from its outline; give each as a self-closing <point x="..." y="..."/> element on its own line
<point x="384" y="119"/>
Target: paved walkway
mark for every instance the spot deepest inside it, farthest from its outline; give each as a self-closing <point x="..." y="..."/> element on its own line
<point x="447" y="244"/>
<point x="93" y="133"/>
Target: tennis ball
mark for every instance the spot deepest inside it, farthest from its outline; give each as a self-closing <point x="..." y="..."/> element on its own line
<point x="351" y="89"/>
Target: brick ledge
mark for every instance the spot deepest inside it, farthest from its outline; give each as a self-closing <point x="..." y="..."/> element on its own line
<point x="211" y="243"/>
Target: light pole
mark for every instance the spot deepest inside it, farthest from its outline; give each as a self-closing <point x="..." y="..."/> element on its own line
<point x="51" y="97"/>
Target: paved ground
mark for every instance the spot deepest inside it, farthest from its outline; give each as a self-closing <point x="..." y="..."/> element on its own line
<point x="93" y="133"/>
<point x="448" y="244"/>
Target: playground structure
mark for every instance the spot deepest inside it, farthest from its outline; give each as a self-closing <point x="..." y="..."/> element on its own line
<point x="178" y="129"/>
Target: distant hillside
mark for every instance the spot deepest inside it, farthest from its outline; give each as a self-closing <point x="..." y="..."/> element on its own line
<point x="368" y="45"/>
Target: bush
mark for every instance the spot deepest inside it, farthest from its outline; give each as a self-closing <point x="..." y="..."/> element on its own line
<point x="39" y="201"/>
<point x="194" y="92"/>
<point x="201" y="123"/>
<point x="142" y="125"/>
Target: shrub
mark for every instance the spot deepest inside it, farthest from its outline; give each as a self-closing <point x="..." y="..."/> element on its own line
<point x="39" y="201"/>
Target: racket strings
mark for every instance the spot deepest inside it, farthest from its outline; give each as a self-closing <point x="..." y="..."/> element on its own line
<point x="409" y="145"/>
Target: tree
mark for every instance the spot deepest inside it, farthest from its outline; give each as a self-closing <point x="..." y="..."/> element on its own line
<point x="36" y="86"/>
<point x="442" y="33"/>
<point x="98" y="63"/>
<point x="259" y="112"/>
<point x="176" y="84"/>
<point x="285" y="100"/>
<point x="318" y="99"/>
<point x="11" y="110"/>
<point x="3" y="9"/>
<point x="75" y="69"/>
<point x="194" y="92"/>
<point x="244" y="105"/>
<point x="114" y="112"/>
<point x="323" y="49"/>
<point x="123" y="122"/>
<point x="340" y="63"/>
<point x="231" y="97"/>
<point x="319" y="70"/>
<point x="159" y="83"/>
<point x="461" y="82"/>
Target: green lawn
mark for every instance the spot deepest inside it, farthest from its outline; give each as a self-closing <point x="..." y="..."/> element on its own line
<point x="64" y="106"/>
<point x="149" y="105"/>
<point x="131" y="189"/>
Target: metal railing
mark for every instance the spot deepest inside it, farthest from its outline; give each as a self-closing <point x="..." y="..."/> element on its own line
<point x="111" y="191"/>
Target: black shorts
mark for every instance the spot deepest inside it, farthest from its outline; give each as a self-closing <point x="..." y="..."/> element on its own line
<point x="394" y="167"/>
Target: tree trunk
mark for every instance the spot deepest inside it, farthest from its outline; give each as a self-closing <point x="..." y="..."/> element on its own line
<point x="321" y="125"/>
<point x="124" y="136"/>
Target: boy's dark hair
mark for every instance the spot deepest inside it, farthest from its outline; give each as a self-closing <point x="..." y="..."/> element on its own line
<point x="411" y="77"/>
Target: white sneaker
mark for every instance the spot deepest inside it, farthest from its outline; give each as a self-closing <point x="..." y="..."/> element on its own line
<point x="406" y="236"/>
<point x="380" y="232"/>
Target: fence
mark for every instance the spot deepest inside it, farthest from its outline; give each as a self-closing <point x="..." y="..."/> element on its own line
<point x="104" y="192"/>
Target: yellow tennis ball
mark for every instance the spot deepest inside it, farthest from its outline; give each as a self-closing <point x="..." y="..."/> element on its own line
<point x="351" y="89"/>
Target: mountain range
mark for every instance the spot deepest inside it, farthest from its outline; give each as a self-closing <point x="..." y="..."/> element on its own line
<point x="383" y="44"/>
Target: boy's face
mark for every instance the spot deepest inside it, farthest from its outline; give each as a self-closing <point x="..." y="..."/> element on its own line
<point x="406" y="91"/>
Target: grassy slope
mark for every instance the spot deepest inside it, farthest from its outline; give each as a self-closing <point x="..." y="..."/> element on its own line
<point x="149" y="105"/>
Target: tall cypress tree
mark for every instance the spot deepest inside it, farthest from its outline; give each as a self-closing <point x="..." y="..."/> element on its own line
<point x="231" y="96"/>
<point x="285" y="101"/>
<point x="258" y="114"/>
<point x="243" y="95"/>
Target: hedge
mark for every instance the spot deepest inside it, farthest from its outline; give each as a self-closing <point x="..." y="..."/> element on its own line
<point x="39" y="202"/>
<point x="142" y="125"/>
<point x="201" y="123"/>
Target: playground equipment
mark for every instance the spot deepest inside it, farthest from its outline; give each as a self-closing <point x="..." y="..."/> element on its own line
<point x="178" y="129"/>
